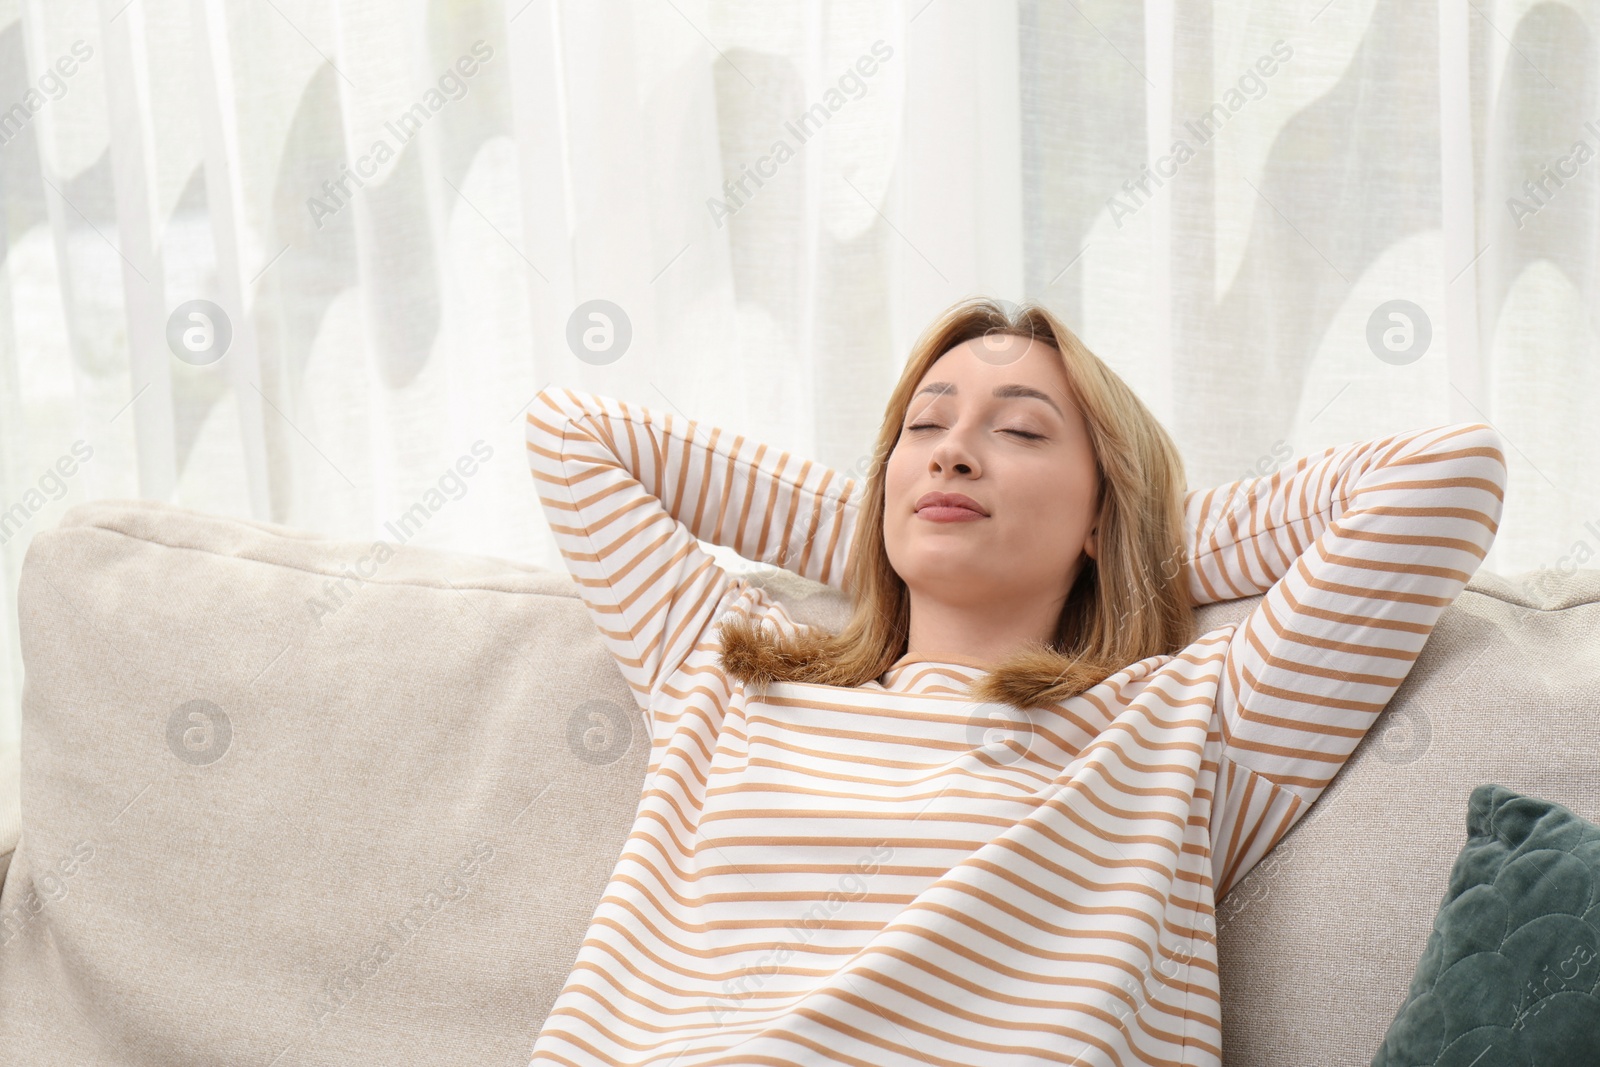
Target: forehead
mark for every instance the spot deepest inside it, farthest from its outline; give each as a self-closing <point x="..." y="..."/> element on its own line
<point x="998" y="359"/>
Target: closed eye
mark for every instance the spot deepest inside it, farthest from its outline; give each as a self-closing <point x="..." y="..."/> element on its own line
<point x="1019" y="433"/>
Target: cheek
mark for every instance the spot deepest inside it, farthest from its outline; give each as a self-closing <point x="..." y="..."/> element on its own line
<point x="894" y="490"/>
<point x="1049" y="517"/>
<point x="895" y="476"/>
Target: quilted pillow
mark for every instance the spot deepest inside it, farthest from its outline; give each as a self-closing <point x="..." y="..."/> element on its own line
<point x="1510" y="974"/>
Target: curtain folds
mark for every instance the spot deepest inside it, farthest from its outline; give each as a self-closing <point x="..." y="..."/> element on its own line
<point x="294" y="260"/>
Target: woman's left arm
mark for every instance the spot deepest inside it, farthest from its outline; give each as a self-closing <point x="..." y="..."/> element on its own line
<point x="1359" y="550"/>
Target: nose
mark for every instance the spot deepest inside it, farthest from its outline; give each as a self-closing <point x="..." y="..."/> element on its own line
<point x="952" y="453"/>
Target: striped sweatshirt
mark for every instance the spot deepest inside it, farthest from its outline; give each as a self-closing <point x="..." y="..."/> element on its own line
<point x="894" y="875"/>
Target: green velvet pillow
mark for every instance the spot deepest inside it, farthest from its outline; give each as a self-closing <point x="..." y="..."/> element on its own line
<point x="1510" y="976"/>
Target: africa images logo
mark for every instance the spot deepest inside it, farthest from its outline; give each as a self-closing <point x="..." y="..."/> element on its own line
<point x="453" y="84"/>
<point x="1251" y="85"/>
<point x="802" y="128"/>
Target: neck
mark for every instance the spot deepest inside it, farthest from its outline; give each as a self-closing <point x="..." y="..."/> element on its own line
<point x="980" y="635"/>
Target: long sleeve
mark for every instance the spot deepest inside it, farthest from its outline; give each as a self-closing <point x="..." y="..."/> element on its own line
<point x="1358" y="551"/>
<point x="628" y="491"/>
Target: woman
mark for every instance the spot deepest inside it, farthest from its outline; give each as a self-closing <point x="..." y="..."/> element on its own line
<point x="989" y="820"/>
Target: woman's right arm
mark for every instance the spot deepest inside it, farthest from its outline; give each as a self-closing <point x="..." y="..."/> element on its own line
<point x="628" y="491"/>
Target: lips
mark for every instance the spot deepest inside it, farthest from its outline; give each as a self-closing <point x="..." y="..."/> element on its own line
<point x="949" y="500"/>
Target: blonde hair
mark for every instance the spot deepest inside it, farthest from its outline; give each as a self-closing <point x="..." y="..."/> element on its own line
<point x="1129" y="603"/>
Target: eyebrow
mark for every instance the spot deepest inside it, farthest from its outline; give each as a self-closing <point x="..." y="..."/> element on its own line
<point x="1000" y="391"/>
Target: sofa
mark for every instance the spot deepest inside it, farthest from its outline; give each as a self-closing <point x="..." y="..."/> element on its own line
<point x="286" y="800"/>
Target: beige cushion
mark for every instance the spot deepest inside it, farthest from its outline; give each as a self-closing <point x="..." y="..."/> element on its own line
<point x="197" y="909"/>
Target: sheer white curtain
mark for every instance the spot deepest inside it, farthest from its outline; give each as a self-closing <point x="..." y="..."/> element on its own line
<point x="400" y="212"/>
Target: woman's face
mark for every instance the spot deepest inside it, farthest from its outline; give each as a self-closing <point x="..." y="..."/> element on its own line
<point x="993" y="420"/>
